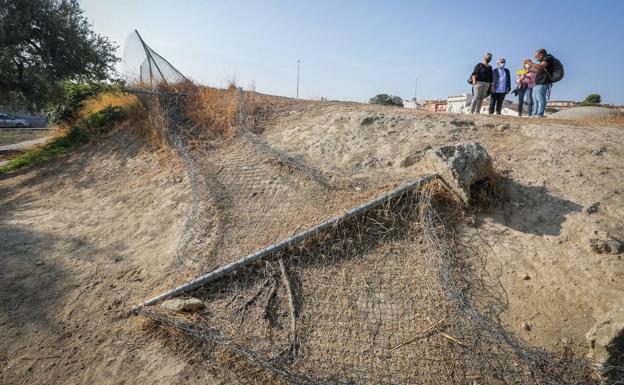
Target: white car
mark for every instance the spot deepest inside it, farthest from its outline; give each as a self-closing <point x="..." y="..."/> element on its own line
<point x="7" y="120"/>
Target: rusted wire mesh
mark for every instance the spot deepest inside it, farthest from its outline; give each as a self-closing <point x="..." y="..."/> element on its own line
<point x="382" y="299"/>
<point x="388" y="297"/>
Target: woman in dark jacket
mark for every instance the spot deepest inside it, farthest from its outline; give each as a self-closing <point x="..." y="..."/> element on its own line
<point x="481" y="81"/>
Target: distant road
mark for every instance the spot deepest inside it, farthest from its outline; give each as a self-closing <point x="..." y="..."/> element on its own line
<point x="27" y="128"/>
<point x="22" y="146"/>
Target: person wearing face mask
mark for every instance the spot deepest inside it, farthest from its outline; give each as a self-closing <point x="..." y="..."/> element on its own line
<point x="544" y="69"/>
<point x="525" y="81"/>
<point x="501" y="85"/>
<point x="481" y="80"/>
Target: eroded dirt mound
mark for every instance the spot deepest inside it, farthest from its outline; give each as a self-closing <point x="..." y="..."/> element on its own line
<point x="564" y="186"/>
<point x="82" y="237"/>
<point x="86" y="236"/>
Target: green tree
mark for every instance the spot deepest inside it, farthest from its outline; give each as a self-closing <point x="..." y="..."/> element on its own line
<point x="592" y="99"/>
<point x="387" y="100"/>
<point x="42" y="43"/>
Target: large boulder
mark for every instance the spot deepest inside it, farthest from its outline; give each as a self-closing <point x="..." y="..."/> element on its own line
<point x="460" y="165"/>
<point x="606" y="345"/>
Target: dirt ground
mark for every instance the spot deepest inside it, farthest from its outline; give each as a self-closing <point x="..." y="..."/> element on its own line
<point x="16" y="140"/>
<point x="87" y="235"/>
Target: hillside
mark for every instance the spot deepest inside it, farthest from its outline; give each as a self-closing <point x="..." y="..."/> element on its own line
<point x="89" y="234"/>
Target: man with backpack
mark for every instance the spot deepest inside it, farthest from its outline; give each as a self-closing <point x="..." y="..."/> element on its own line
<point x="549" y="70"/>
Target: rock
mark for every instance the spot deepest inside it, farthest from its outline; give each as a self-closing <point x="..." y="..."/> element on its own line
<point x="460" y="166"/>
<point x="593" y="208"/>
<point x="409" y="160"/>
<point x="526" y="276"/>
<point x="412" y="159"/>
<point x="606" y="344"/>
<point x="526" y="326"/>
<point x="367" y="121"/>
<point x="186" y="304"/>
<point x="599" y="151"/>
<point x="606" y="246"/>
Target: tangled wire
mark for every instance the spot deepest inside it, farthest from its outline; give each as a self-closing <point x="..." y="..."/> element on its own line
<point x="385" y="297"/>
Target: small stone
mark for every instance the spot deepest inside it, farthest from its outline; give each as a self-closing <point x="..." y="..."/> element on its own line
<point x="526" y="326"/>
<point x="39" y="263"/>
<point x="565" y="341"/>
<point x="599" y="151"/>
<point x="187" y="304"/>
<point x="526" y="276"/>
<point x="118" y="259"/>
<point x="593" y="208"/>
<point x="606" y="246"/>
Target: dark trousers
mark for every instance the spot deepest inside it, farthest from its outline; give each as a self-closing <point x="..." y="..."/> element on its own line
<point x="496" y="101"/>
<point x="525" y="92"/>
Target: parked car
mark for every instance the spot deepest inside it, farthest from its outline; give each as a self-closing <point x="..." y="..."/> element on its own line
<point x="7" y="120"/>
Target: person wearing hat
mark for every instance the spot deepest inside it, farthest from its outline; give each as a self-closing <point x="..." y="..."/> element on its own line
<point x="501" y="85"/>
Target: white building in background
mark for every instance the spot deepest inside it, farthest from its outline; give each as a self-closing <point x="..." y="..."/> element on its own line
<point x="413" y="104"/>
<point x="459" y="104"/>
<point x="504" y="111"/>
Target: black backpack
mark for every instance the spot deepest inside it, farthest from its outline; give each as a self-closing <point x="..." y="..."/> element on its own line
<point x="557" y="70"/>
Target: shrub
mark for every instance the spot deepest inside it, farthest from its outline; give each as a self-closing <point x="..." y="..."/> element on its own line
<point x="592" y="99"/>
<point x="387" y="100"/>
<point x="74" y="95"/>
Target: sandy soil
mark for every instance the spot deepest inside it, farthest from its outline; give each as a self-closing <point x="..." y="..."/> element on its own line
<point x="81" y="238"/>
<point x="554" y="172"/>
<point x="86" y="236"/>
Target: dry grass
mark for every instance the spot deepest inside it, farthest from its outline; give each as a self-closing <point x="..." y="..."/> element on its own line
<point x="217" y="111"/>
<point x="214" y="110"/>
<point x="115" y="99"/>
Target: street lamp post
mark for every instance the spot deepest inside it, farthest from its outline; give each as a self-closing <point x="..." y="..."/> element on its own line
<point x="297" y="78"/>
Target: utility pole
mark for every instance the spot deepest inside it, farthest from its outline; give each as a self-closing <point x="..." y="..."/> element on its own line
<point x="297" y="78"/>
<point x="416" y="92"/>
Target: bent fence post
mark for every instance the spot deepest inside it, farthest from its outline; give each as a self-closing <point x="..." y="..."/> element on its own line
<point x="276" y="247"/>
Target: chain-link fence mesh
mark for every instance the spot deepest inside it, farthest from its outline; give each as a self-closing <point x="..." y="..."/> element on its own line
<point x="387" y="297"/>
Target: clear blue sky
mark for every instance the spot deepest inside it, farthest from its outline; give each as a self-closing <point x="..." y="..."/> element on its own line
<point x="352" y="50"/>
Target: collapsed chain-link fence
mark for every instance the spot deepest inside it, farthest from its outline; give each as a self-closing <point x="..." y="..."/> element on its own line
<point x="390" y="296"/>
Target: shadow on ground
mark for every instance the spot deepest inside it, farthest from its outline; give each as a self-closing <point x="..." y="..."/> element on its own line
<point x="531" y="209"/>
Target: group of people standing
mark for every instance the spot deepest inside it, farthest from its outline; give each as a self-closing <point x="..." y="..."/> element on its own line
<point x="534" y="81"/>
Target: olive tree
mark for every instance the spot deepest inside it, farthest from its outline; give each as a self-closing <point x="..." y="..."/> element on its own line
<point x="592" y="99"/>
<point x="45" y="42"/>
<point x="387" y="100"/>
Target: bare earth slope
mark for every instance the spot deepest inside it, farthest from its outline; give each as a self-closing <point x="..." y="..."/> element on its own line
<point x="84" y="237"/>
<point x="80" y="238"/>
<point x="539" y="244"/>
